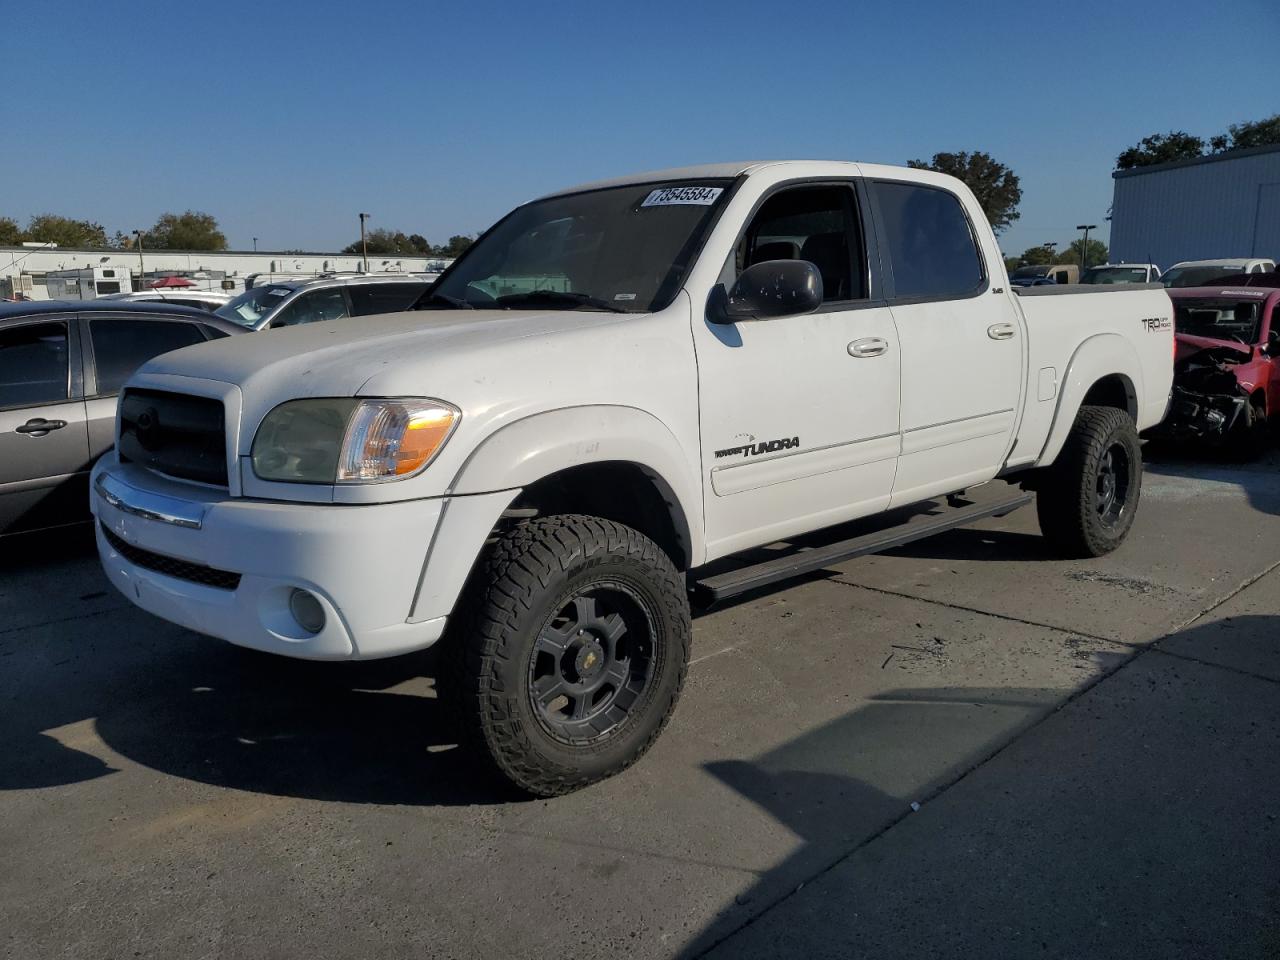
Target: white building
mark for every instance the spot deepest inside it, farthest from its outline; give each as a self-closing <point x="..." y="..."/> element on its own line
<point x="1209" y="208"/>
<point x="210" y="270"/>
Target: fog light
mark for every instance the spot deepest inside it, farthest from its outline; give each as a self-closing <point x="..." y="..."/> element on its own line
<point x="306" y="609"/>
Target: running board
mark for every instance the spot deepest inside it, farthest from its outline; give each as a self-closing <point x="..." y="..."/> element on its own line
<point x="725" y="585"/>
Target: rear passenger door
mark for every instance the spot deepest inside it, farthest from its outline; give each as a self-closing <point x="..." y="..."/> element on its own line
<point x="44" y="453"/>
<point x="962" y="341"/>
<point x="373" y="298"/>
<point x="116" y="346"/>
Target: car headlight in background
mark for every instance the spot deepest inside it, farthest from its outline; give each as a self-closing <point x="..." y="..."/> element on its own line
<point x="349" y="440"/>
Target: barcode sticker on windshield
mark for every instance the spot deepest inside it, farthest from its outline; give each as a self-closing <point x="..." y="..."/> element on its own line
<point x="675" y="196"/>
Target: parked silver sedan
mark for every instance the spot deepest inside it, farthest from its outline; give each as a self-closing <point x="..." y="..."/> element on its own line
<point x="61" y="367"/>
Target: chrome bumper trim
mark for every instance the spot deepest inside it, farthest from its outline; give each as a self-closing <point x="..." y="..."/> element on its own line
<point x="149" y="506"/>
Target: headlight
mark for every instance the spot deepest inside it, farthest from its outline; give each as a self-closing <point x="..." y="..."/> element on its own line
<point x="347" y="440"/>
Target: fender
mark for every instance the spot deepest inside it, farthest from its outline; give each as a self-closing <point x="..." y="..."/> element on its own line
<point x="535" y="447"/>
<point x="1099" y="356"/>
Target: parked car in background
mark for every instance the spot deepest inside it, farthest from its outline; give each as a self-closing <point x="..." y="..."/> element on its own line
<point x="330" y="297"/>
<point x="1197" y="273"/>
<point x="1226" y="381"/>
<point x="1107" y="273"/>
<point x="1057" y="272"/>
<point x="207" y="300"/>
<point x="62" y="364"/>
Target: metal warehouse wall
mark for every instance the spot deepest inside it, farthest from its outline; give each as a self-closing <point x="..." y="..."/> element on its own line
<point x="1199" y="209"/>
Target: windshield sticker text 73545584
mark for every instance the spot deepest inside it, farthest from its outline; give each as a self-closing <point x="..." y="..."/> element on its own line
<point x="674" y="196"/>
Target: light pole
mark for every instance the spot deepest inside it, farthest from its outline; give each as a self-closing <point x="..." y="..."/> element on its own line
<point x="255" y="244"/>
<point x="1050" y="247"/>
<point x="1084" y="247"/>
<point x="364" y="247"/>
<point x="142" y="267"/>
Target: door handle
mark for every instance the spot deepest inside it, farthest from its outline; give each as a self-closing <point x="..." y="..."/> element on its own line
<point x="39" y="427"/>
<point x="868" y="347"/>
<point x="1001" y="331"/>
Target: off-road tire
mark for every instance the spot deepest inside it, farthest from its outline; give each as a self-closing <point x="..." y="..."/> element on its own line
<point x="1067" y="496"/>
<point x="524" y="579"/>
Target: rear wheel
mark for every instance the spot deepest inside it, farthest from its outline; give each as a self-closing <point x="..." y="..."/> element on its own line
<point x="571" y="653"/>
<point x="1087" y="500"/>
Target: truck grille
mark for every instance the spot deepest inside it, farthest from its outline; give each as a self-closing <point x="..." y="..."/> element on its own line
<point x="172" y="566"/>
<point x="175" y="434"/>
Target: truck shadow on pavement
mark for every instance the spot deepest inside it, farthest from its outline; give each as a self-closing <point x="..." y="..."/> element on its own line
<point x="1128" y="787"/>
<point x="81" y="689"/>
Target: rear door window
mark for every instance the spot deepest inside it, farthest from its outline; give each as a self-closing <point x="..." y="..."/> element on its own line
<point x="33" y="364"/>
<point x="929" y="242"/>
<point x="121" y="346"/>
<point x="371" y="298"/>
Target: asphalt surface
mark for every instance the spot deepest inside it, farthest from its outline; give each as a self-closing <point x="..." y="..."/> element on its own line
<point x="965" y="748"/>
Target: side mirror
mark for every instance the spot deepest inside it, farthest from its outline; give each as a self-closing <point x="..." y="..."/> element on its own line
<point x="774" y="288"/>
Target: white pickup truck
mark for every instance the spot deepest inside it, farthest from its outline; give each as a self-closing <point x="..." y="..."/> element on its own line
<point x="615" y="386"/>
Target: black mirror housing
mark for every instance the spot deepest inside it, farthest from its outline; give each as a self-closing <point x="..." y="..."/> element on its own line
<point x="774" y="288"/>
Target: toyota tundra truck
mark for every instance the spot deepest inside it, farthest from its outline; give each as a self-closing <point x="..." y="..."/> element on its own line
<point x="615" y="387"/>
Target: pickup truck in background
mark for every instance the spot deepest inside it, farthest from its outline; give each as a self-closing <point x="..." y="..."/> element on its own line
<point x="711" y="359"/>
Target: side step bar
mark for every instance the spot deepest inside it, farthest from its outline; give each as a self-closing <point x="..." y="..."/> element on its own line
<point x="714" y="589"/>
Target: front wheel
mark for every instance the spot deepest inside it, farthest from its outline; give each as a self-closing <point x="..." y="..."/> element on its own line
<point x="571" y="652"/>
<point x="1087" y="501"/>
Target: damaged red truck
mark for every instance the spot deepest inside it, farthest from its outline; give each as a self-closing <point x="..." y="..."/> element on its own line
<point x="1226" y="380"/>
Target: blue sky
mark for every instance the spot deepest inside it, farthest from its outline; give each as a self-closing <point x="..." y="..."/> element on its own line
<point x="285" y="120"/>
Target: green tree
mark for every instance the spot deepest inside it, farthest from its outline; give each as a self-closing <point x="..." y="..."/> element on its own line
<point x="10" y="232"/>
<point x="1256" y="133"/>
<point x="1161" y="148"/>
<point x="65" y="232"/>
<point x="1039" y="256"/>
<point x="996" y="186"/>
<point x="456" y="245"/>
<point x="185" y="231"/>
<point x="384" y="243"/>
<point x="1096" y="254"/>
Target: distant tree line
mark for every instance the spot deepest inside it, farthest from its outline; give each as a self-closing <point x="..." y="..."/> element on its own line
<point x="384" y="243"/>
<point x="1180" y="145"/>
<point x="172" y="231"/>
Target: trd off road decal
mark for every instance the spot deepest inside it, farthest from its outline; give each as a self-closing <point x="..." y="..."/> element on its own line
<point x="1153" y="324"/>
<point x="755" y="449"/>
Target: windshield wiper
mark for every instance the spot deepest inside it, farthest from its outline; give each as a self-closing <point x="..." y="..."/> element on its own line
<point x="550" y="297"/>
<point x="442" y="298"/>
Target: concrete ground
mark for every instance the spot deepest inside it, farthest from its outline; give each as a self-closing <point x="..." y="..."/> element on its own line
<point x="966" y="748"/>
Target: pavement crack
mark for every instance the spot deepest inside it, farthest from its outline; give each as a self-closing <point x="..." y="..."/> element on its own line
<point x="1218" y="666"/>
<point x="987" y="613"/>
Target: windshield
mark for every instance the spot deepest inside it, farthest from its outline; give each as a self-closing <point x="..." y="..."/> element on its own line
<point x="624" y="249"/>
<point x="1197" y="276"/>
<point x="252" y="305"/>
<point x="1115" y="275"/>
<point x="1219" y="318"/>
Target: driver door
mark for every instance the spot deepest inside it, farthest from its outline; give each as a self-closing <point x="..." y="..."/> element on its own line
<point x="799" y="414"/>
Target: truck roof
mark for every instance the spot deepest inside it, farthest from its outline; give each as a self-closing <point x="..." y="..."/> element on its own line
<point x="705" y="171"/>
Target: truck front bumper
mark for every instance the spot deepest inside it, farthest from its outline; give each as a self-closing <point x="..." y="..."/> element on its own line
<point x="229" y="567"/>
